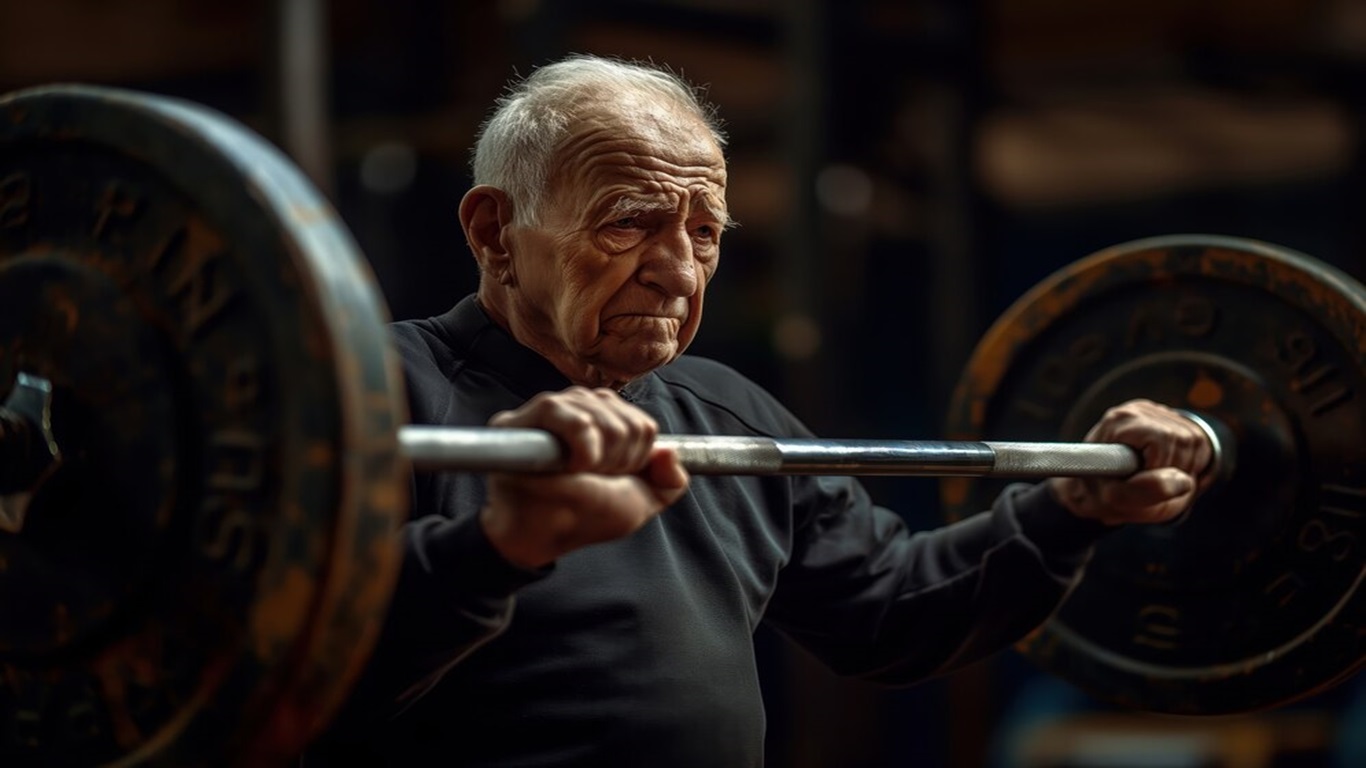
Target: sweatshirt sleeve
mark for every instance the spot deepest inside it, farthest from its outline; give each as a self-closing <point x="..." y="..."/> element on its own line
<point x="454" y="593"/>
<point x="874" y="600"/>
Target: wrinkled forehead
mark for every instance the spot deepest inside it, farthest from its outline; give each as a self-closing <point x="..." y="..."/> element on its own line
<point x="640" y="135"/>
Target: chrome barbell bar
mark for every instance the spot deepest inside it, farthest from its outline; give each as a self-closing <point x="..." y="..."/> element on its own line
<point x="495" y="449"/>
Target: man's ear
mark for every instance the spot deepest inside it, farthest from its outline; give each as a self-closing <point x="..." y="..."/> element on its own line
<point x="485" y="215"/>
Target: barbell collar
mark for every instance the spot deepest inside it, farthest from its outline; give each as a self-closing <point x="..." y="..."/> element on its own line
<point x="1222" y="446"/>
<point x="485" y="449"/>
<point x="28" y="448"/>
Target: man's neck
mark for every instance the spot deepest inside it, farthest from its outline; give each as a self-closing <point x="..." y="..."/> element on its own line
<point x="582" y="374"/>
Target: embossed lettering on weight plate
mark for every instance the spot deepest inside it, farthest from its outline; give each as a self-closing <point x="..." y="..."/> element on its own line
<point x="1158" y="627"/>
<point x="190" y="263"/>
<point x="1328" y="538"/>
<point x="1056" y="380"/>
<point x="1320" y="382"/>
<point x="193" y="277"/>
<point x="1285" y="588"/>
<point x="1329" y="534"/>
<point x="232" y="532"/>
<point x="140" y="686"/>
<point x="118" y="203"/>
<point x="1151" y="324"/>
<point x="16" y="195"/>
<point x="1191" y="317"/>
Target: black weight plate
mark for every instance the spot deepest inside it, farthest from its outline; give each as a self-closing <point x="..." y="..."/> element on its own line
<point x="1254" y="599"/>
<point x="206" y="572"/>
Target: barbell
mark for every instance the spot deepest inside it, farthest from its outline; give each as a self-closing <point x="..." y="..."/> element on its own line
<point x="206" y="455"/>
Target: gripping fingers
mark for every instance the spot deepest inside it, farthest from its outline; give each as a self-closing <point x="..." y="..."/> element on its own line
<point x="1175" y="451"/>
<point x="601" y="432"/>
<point x="1163" y="436"/>
<point x="1151" y="496"/>
<point x="1185" y="442"/>
<point x="627" y="433"/>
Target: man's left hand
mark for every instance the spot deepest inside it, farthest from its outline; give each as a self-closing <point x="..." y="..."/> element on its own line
<point x="1174" y="451"/>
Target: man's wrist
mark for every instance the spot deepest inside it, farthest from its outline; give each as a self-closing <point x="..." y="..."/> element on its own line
<point x="513" y="549"/>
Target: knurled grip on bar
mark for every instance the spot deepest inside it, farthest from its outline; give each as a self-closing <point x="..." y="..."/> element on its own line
<point x="1063" y="460"/>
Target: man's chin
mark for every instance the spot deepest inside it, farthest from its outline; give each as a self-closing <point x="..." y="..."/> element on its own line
<point x="629" y="364"/>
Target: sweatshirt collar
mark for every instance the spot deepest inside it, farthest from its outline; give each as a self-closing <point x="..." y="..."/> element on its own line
<point x="487" y="345"/>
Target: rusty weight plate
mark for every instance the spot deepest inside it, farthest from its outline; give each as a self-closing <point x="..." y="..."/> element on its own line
<point x="1254" y="599"/>
<point x="206" y="572"/>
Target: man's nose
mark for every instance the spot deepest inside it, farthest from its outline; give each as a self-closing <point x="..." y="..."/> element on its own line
<point x="669" y="264"/>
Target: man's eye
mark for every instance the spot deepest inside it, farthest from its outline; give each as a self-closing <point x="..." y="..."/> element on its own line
<point x="628" y="222"/>
<point x="704" y="232"/>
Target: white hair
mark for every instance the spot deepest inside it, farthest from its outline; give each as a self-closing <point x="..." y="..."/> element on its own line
<point x="517" y="144"/>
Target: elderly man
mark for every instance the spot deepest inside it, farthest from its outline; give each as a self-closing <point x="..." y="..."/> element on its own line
<point x="604" y="616"/>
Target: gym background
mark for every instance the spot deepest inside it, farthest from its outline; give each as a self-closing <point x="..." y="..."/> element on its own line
<point x="901" y="169"/>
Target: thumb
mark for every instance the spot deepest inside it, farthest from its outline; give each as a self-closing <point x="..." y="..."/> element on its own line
<point x="666" y="476"/>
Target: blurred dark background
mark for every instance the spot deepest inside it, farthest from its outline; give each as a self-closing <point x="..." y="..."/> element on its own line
<point x="902" y="170"/>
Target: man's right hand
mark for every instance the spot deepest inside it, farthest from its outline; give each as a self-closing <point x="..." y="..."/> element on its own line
<point x="614" y="482"/>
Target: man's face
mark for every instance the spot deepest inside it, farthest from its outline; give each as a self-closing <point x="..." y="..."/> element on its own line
<point x="610" y="284"/>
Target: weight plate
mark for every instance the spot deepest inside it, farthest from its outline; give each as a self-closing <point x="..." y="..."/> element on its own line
<point x="204" y="575"/>
<point x="1255" y="598"/>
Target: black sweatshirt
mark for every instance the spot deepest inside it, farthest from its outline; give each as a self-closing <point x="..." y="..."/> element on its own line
<point x="640" y="651"/>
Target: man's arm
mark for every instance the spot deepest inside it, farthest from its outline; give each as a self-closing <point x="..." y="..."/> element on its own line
<point x="874" y="600"/>
<point x="456" y="590"/>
